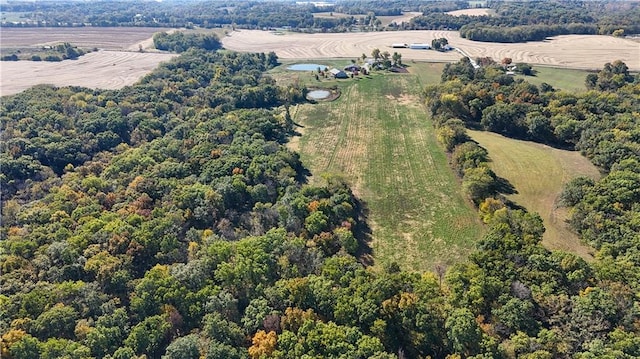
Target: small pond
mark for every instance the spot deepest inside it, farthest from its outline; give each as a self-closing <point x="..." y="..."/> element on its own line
<point x="305" y="67"/>
<point x="318" y="94"/>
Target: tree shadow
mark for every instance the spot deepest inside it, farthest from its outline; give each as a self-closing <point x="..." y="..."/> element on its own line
<point x="503" y="186"/>
<point x="302" y="174"/>
<point x="362" y="232"/>
<point x="512" y="205"/>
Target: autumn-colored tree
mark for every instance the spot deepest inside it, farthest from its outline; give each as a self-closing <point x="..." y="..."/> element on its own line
<point x="263" y="344"/>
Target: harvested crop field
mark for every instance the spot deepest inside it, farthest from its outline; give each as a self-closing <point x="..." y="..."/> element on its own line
<point x="385" y="20"/>
<point x="102" y="69"/>
<point x="123" y="65"/>
<point x="406" y="17"/>
<point x="109" y="38"/>
<point x="574" y="51"/>
<point x="471" y="12"/>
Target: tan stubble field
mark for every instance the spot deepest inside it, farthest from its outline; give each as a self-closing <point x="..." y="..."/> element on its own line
<point x="572" y="51"/>
<point x="118" y="63"/>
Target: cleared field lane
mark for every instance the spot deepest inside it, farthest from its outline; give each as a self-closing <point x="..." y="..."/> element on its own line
<point x="378" y="136"/>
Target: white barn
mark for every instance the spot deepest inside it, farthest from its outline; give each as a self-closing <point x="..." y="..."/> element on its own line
<point x="418" y="46"/>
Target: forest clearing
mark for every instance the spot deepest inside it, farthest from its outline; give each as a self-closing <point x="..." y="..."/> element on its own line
<point x="572" y="80"/>
<point x="385" y="20"/>
<point x="539" y="173"/>
<point x="378" y="137"/>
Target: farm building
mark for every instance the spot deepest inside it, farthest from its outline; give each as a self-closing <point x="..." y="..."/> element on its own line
<point x="419" y="46"/>
<point x="339" y="74"/>
<point x="399" y="46"/>
<point x="352" y="68"/>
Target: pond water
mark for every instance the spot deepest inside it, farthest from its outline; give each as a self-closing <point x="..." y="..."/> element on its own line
<point x="305" y="67"/>
<point x="318" y="94"/>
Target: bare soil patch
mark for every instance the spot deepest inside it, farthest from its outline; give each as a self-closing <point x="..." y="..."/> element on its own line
<point x="334" y="93"/>
<point x="102" y="69"/>
<point x="471" y="12"/>
<point x="574" y="51"/>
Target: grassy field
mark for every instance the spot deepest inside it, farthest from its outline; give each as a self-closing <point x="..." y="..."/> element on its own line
<point x="538" y="173"/>
<point x="561" y="79"/>
<point x="428" y="73"/>
<point x="378" y="136"/>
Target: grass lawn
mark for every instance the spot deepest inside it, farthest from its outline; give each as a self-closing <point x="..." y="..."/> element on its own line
<point x="428" y="73"/>
<point x="378" y="136"/>
<point x="561" y="79"/>
<point x="538" y="173"/>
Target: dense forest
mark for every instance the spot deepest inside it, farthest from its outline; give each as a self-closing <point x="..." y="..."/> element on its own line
<point x="168" y="220"/>
<point x="510" y="21"/>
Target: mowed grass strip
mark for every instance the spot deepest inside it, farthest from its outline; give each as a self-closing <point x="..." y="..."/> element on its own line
<point x="538" y="173"/>
<point x="378" y="136"/>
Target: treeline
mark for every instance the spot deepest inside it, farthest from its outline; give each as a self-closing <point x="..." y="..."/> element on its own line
<point x="535" y="21"/>
<point x="512" y="22"/>
<point x="73" y="128"/>
<point x="179" y="41"/>
<point x="178" y="14"/>
<point x="59" y="52"/>
<point x="524" y="33"/>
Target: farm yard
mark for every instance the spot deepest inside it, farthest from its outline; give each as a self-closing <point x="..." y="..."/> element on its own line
<point x="571" y="51"/>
